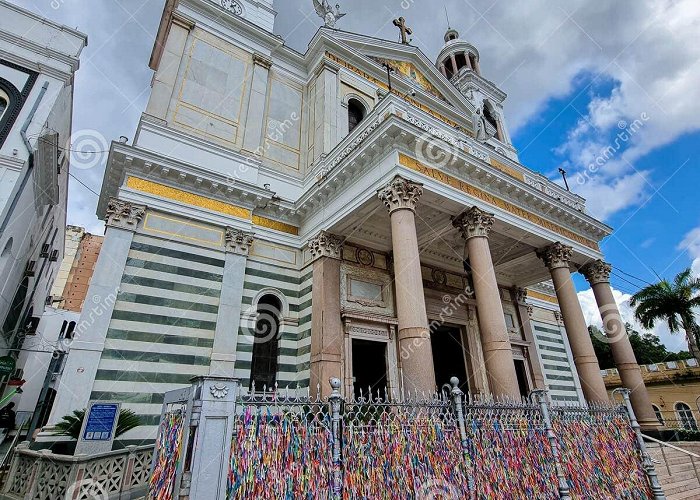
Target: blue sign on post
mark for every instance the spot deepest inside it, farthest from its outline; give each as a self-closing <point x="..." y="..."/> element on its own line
<point x="100" y="422"/>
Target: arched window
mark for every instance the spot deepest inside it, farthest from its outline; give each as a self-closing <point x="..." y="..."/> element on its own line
<point x="685" y="417"/>
<point x="659" y="416"/>
<point x="356" y="113"/>
<point x="263" y="369"/>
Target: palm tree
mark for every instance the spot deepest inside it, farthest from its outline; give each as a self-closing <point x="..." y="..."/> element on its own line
<point x="70" y="425"/>
<point x="673" y="303"/>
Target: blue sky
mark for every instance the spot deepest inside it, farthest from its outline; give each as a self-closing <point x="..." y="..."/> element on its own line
<point x="574" y="72"/>
<point x="647" y="233"/>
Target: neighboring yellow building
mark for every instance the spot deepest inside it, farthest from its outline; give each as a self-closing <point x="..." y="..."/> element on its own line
<point x="674" y="389"/>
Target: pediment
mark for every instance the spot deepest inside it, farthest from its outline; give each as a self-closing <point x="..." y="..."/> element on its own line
<point x="410" y="71"/>
<point x="413" y="69"/>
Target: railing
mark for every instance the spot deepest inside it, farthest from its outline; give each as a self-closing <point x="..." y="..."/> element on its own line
<point x="662" y="447"/>
<point x="444" y="446"/>
<point x="42" y="475"/>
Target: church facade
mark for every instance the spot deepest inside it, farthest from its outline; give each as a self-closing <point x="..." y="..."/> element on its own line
<point x="356" y="211"/>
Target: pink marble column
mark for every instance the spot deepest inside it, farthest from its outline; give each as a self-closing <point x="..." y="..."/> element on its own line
<point x="326" y="326"/>
<point x="557" y="258"/>
<point x="475" y="225"/>
<point x="415" y="352"/>
<point x="597" y="273"/>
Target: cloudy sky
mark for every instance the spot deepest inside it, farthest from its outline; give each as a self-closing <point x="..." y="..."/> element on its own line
<point x="606" y="89"/>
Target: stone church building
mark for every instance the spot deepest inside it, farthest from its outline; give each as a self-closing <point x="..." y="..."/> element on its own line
<point x="355" y="211"/>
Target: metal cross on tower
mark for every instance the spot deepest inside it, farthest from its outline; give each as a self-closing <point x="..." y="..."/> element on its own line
<point x="405" y="30"/>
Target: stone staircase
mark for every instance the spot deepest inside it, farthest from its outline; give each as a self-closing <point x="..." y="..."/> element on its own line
<point x="677" y="471"/>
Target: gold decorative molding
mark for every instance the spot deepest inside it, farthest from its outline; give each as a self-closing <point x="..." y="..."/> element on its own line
<point x="196" y="200"/>
<point x="188" y="198"/>
<point x="471" y="190"/>
<point x="531" y="294"/>
<point x="275" y="224"/>
<point x="507" y="170"/>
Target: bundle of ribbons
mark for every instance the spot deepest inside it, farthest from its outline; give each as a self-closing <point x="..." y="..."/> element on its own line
<point x="398" y="456"/>
<point x="168" y="454"/>
<point x="280" y="456"/>
<point x="600" y="457"/>
<point x="510" y="460"/>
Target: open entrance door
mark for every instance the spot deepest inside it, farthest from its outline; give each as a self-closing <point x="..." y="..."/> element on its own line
<point x="449" y="356"/>
<point x="369" y="367"/>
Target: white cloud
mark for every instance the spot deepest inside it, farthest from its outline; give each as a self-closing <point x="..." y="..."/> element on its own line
<point x="673" y="342"/>
<point x="691" y="244"/>
<point x="534" y="52"/>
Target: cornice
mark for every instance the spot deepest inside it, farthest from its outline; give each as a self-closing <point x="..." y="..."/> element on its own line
<point x="45" y="21"/>
<point x="388" y="126"/>
<point x="125" y="159"/>
<point x="471" y="77"/>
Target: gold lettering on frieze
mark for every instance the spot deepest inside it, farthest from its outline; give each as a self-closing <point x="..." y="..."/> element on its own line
<point x="475" y="192"/>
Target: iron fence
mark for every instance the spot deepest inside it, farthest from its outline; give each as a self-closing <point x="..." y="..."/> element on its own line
<point x="447" y="445"/>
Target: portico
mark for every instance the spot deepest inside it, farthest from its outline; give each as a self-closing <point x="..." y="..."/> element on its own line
<point x="398" y="273"/>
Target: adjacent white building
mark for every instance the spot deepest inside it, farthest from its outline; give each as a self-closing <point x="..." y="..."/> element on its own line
<point x="38" y="61"/>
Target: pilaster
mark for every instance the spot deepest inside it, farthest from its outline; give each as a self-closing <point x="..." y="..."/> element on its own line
<point x="255" y="126"/>
<point x="326" y="324"/>
<point x="90" y="333"/>
<point x="228" y="320"/>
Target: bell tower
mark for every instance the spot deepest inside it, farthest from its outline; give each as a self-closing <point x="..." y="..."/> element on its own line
<point x="458" y="61"/>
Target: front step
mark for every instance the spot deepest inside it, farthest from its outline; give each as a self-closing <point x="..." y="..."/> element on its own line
<point x="682" y="482"/>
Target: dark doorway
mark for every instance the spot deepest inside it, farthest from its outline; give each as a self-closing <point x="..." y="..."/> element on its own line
<point x="448" y="356"/>
<point x="521" y="373"/>
<point x="369" y="367"/>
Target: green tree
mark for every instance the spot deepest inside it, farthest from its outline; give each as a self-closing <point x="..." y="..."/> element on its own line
<point x="672" y="302"/>
<point x="647" y="348"/>
<point x="70" y="425"/>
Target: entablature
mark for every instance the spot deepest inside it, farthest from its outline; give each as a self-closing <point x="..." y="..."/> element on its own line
<point x="396" y="126"/>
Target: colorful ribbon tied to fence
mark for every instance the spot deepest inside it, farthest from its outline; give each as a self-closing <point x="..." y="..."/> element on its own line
<point x="281" y="455"/>
<point x="168" y="454"/>
<point x="600" y="455"/>
<point x="399" y="455"/>
<point x="511" y="455"/>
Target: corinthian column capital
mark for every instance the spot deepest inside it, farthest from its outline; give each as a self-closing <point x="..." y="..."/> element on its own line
<point x="124" y="214"/>
<point x="238" y="241"/>
<point x="401" y="193"/>
<point x="325" y="244"/>
<point x="474" y="222"/>
<point x="597" y="271"/>
<point x="556" y="255"/>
